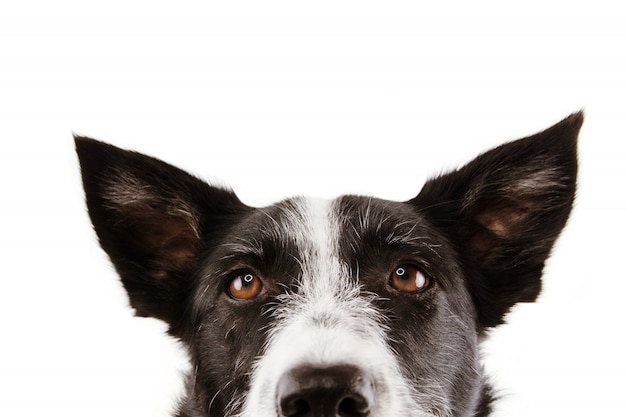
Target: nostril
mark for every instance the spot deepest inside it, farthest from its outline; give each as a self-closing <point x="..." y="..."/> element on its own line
<point x="336" y="391"/>
<point x="295" y="407"/>
<point x="353" y="406"/>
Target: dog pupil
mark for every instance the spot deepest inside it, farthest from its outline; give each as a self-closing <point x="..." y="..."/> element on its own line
<point x="247" y="279"/>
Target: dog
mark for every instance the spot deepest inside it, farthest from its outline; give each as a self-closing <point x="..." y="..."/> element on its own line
<point x="354" y="307"/>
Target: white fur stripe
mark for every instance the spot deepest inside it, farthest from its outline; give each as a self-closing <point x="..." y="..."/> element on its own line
<point x="326" y="322"/>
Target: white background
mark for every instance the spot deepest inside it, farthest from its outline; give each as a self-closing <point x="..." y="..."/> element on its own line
<point x="278" y="98"/>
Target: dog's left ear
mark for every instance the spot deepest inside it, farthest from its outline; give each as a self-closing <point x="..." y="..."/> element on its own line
<point x="503" y="212"/>
<point x="153" y="220"/>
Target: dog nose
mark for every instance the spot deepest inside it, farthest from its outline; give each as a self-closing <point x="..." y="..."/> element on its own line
<point x="336" y="391"/>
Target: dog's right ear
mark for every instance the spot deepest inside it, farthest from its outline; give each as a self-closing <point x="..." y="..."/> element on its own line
<point x="152" y="219"/>
<point x="503" y="212"/>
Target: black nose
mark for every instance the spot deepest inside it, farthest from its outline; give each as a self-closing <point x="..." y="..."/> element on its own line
<point x="336" y="391"/>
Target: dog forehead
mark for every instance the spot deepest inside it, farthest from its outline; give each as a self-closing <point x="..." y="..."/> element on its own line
<point x="322" y="227"/>
<point x="314" y="218"/>
<point x="298" y="230"/>
<point x="301" y="220"/>
<point x="317" y="238"/>
<point x="311" y="224"/>
<point x="367" y="221"/>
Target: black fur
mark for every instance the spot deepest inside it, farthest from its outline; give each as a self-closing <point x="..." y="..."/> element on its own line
<point x="504" y="230"/>
<point x="482" y="233"/>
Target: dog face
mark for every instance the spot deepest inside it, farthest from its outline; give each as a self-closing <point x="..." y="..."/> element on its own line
<point x="354" y="282"/>
<point x="352" y="307"/>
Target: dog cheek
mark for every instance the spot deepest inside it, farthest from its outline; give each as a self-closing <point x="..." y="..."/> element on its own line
<point x="224" y="354"/>
<point x="436" y="345"/>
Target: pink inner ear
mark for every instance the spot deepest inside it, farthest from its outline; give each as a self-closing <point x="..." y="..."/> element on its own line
<point x="162" y="228"/>
<point x="176" y="243"/>
<point x="502" y="219"/>
<point x="168" y="240"/>
<point x="506" y="218"/>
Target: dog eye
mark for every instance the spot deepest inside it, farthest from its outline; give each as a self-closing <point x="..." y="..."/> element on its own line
<point x="409" y="278"/>
<point x="245" y="286"/>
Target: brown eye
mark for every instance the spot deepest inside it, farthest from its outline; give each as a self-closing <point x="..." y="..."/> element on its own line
<point x="408" y="278"/>
<point x="245" y="286"/>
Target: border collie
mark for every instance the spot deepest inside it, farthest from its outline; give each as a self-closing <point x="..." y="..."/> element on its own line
<point x="354" y="307"/>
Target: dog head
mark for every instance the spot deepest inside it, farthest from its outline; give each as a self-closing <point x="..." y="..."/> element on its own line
<point x="352" y="307"/>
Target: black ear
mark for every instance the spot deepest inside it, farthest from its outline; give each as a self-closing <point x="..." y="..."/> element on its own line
<point x="153" y="220"/>
<point x="504" y="211"/>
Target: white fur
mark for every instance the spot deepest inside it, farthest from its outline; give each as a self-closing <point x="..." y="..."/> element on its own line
<point x="327" y="322"/>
